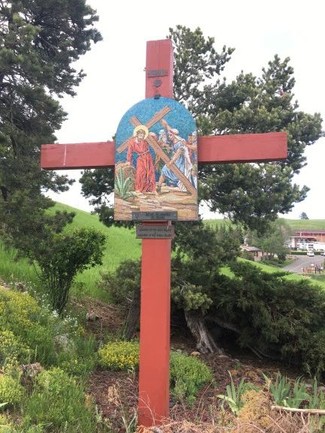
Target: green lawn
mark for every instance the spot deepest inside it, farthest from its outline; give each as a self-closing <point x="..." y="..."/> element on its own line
<point x="121" y="244"/>
<point x="306" y="224"/>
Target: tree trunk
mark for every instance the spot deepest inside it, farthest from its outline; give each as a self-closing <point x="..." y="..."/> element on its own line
<point x="132" y="322"/>
<point x="204" y="341"/>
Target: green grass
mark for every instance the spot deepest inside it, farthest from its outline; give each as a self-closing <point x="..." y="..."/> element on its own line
<point x="319" y="280"/>
<point x="13" y="270"/>
<point x="295" y="224"/>
<point x="306" y="224"/>
<point x="122" y="244"/>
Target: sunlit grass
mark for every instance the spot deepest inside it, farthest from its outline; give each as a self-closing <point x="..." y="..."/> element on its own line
<point x="121" y="245"/>
<point x="13" y="270"/>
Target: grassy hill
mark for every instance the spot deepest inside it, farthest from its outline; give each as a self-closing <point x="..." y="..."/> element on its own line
<point x="306" y="224"/>
<point x="295" y="224"/>
<point x="121" y="244"/>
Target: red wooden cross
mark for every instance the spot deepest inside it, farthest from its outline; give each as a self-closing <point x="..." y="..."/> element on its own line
<point x="153" y="404"/>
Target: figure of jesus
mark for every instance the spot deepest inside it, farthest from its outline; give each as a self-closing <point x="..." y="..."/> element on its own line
<point x="144" y="166"/>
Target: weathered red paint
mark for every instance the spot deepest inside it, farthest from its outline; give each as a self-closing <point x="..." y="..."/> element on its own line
<point x="159" y="69"/>
<point x="212" y="149"/>
<point x="77" y="155"/>
<point x="270" y="146"/>
<point x="153" y="404"/>
<point x="154" y="332"/>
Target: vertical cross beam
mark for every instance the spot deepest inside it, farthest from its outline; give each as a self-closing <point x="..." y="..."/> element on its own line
<point x="153" y="404"/>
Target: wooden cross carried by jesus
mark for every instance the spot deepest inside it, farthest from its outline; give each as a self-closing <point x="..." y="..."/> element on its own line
<point x="153" y="403"/>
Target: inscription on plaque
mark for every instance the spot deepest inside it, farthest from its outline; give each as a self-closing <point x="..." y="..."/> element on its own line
<point x="146" y="231"/>
<point x="154" y="216"/>
<point x="157" y="73"/>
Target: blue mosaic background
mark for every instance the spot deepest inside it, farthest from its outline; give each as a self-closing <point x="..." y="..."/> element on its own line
<point x="179" y="117"/>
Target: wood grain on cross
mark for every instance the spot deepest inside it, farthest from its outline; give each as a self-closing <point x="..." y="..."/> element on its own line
<point x="156" y="253"/>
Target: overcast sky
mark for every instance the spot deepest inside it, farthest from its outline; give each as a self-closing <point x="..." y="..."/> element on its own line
<point x="257" y="30"/>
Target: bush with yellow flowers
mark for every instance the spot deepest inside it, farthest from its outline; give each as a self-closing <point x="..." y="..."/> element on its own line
<point x="119" y="355"/>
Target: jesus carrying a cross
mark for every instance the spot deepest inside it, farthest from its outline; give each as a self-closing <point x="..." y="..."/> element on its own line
<point x="145" y="170"/>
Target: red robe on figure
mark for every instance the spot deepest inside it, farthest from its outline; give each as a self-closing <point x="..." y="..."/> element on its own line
<point x="145" y="171"/>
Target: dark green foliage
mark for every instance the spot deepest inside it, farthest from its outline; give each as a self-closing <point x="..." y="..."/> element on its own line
<point x="40" y="40"/>
<point x="274" y="315"/>
<point x="255" y="194"/>
<point x="188" y="375"/>
<point x="61" y="259"/>
<point x="196" y="61"/>
<point x="99" y="185"/>
<point x="123" y="283"/>
<point x="123" y="287"/>
<point x="199" y="253"/>
<point x="272" y="241"/>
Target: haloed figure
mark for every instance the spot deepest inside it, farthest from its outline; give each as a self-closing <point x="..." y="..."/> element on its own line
<point x="138" y="149"/>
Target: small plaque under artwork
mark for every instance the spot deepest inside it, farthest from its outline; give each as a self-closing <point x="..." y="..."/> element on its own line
<point x="147" y="231"/>
<point x="156" y="161"/>
<point x="154" y="216"/>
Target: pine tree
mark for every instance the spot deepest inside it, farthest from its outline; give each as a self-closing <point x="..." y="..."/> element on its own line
<point x="40" y="41"/>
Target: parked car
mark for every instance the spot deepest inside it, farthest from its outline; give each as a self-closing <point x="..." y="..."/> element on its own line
<point x="310" y="253"/>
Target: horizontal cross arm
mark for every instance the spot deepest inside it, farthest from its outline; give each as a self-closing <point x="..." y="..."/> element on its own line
<point x="211" y="149"/>
<point x="77" y="155"/>
<point x="242" y="148"/>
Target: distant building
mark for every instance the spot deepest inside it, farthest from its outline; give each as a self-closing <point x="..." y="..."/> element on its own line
<point x="304" y="237"/>
<point x="253" y="252"/>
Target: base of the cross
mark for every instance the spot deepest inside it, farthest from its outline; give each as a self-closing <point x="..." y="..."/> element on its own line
<point x="153" y="404"/>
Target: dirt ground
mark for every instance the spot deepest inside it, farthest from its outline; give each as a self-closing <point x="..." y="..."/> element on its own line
<point x="115" y="393"/>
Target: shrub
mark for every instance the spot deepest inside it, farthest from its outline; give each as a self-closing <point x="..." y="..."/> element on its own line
<point x="31" y="333"/>
<point x="119" y="355"/>
<point x="12" y="349"/>
<point x="59" y="400"/>
<point x="11" y="391"/>
<point x="187" y="375"/>
<point x="82" y="359"/>
<point x="122" y="283"/>
<point x="275" y="315"/>
<point x="28" y="322"/>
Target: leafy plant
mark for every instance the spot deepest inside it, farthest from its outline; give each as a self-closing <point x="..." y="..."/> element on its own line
<point x="298" y="394"/>
<point x="59" y="401"/>
<point x="123" y="185"/>
<point x="63" y="258"/>
<point x="280" y="390"/>
<point x="11" y="391"/>
<point x="119" y="355"/>
<point x="233" y="396"/>
<point x="316" y="398"/>
<point x="288" y="393"/>
<point x="187" y="375"/>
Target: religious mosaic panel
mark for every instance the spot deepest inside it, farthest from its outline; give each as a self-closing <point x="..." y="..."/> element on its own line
<point x="156" y="161"/>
